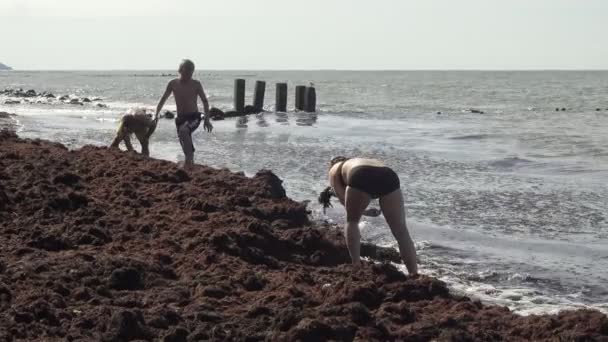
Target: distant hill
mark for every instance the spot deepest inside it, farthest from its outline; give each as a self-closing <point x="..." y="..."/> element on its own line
<point x="5" y="67"/>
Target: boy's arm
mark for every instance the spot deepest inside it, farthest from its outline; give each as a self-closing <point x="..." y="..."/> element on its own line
<point x="207" y="124"/>
<point x="201" y="93"/>
<point x="164" y="98"/>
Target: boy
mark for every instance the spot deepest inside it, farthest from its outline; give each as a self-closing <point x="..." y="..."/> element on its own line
<point x="185" y="91"/>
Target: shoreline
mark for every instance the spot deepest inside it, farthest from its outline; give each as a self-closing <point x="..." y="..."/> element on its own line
<point x="107" y="245"/>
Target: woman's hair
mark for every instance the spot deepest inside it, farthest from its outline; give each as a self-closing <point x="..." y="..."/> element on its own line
<point x="325" y="198"/>
<point x="337" y="159"/>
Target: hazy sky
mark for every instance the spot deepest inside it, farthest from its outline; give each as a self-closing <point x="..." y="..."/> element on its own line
<point x="310" y="34"/>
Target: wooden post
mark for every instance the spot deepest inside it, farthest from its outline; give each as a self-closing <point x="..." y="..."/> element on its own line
<point x="300" y="97"/>
<point x="310" y="102"/>
<point x="281" y="98"/>
<point x="239" y="95"/>
<point x="258" y="95"/>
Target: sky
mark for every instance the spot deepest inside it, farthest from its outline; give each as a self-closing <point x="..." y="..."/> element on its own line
<point x="311" y="34"/>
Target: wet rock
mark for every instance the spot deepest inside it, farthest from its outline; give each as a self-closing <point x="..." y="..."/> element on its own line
<point x="6" y="115"/>
<point x="251" y="110"/>
<point x="169" y="115"/>
<point x="101" y="105"/>
<point x="216" y="114"/>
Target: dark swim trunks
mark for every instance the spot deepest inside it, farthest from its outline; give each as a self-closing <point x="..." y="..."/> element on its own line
<point x="377" y="181"/>
<point x="192" y="119"/>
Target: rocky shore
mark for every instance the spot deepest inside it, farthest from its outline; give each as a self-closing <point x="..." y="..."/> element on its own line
<point x="105" y="245"/>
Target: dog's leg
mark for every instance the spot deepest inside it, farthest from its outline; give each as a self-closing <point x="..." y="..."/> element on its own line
<point x="144" y="142"/>
<point x="128" y="142"/>
<point x="116" y="141"/>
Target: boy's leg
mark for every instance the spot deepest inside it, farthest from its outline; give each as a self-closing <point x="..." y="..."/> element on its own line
<point x="185" y="139"/>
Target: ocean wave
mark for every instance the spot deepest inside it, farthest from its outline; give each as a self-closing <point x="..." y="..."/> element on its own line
<point x="509" y="162"/>
<point x="472" y="137"/>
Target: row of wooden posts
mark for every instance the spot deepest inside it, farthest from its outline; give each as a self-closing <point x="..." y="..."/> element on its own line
<point x="306" y="97"/>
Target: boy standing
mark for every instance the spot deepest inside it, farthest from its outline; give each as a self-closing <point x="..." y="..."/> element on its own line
<point x="186" y="92"/>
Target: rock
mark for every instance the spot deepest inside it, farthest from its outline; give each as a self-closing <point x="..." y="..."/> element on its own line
<point x="169" y="115"/>
<point x="97" y="99"/>
<point x="86" y="100"/>
<point x="30" y="93"/>
<point x="10" y="102"/>
<point x="101" y="105"/>
<point x="64" y="98"/>
<point x="476" y="111"/>
<point x="563" y="109"/>
<point x="6" y="115"/>
<point x="216" y="114"/>
<point x="232" y="114"/>
<point x="75" y="102"/>
<point x="251" y="110"/>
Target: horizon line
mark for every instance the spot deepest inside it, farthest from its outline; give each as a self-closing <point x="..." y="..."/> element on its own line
<point x="318" y="69"/>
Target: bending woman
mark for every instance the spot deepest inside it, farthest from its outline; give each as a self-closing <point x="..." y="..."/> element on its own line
<point x="355" y="182"/>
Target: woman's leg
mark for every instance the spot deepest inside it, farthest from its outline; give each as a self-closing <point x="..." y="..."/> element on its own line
<point x="393" y="208"/>
<point x="355" y="203"/>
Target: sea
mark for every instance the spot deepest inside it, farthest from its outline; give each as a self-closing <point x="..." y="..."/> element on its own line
<point x="505" y="173"/>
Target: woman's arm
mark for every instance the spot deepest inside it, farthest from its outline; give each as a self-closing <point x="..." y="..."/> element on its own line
<point x="335" y="180"/>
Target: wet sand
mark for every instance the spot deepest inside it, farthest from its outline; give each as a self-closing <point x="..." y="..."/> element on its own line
<point x="106" y="245"/>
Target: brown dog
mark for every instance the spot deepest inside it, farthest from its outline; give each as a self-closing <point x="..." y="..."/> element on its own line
<point x="138" y="123"/>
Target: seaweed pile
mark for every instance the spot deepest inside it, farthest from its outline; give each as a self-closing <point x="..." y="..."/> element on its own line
<point x="99" y="244"/>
